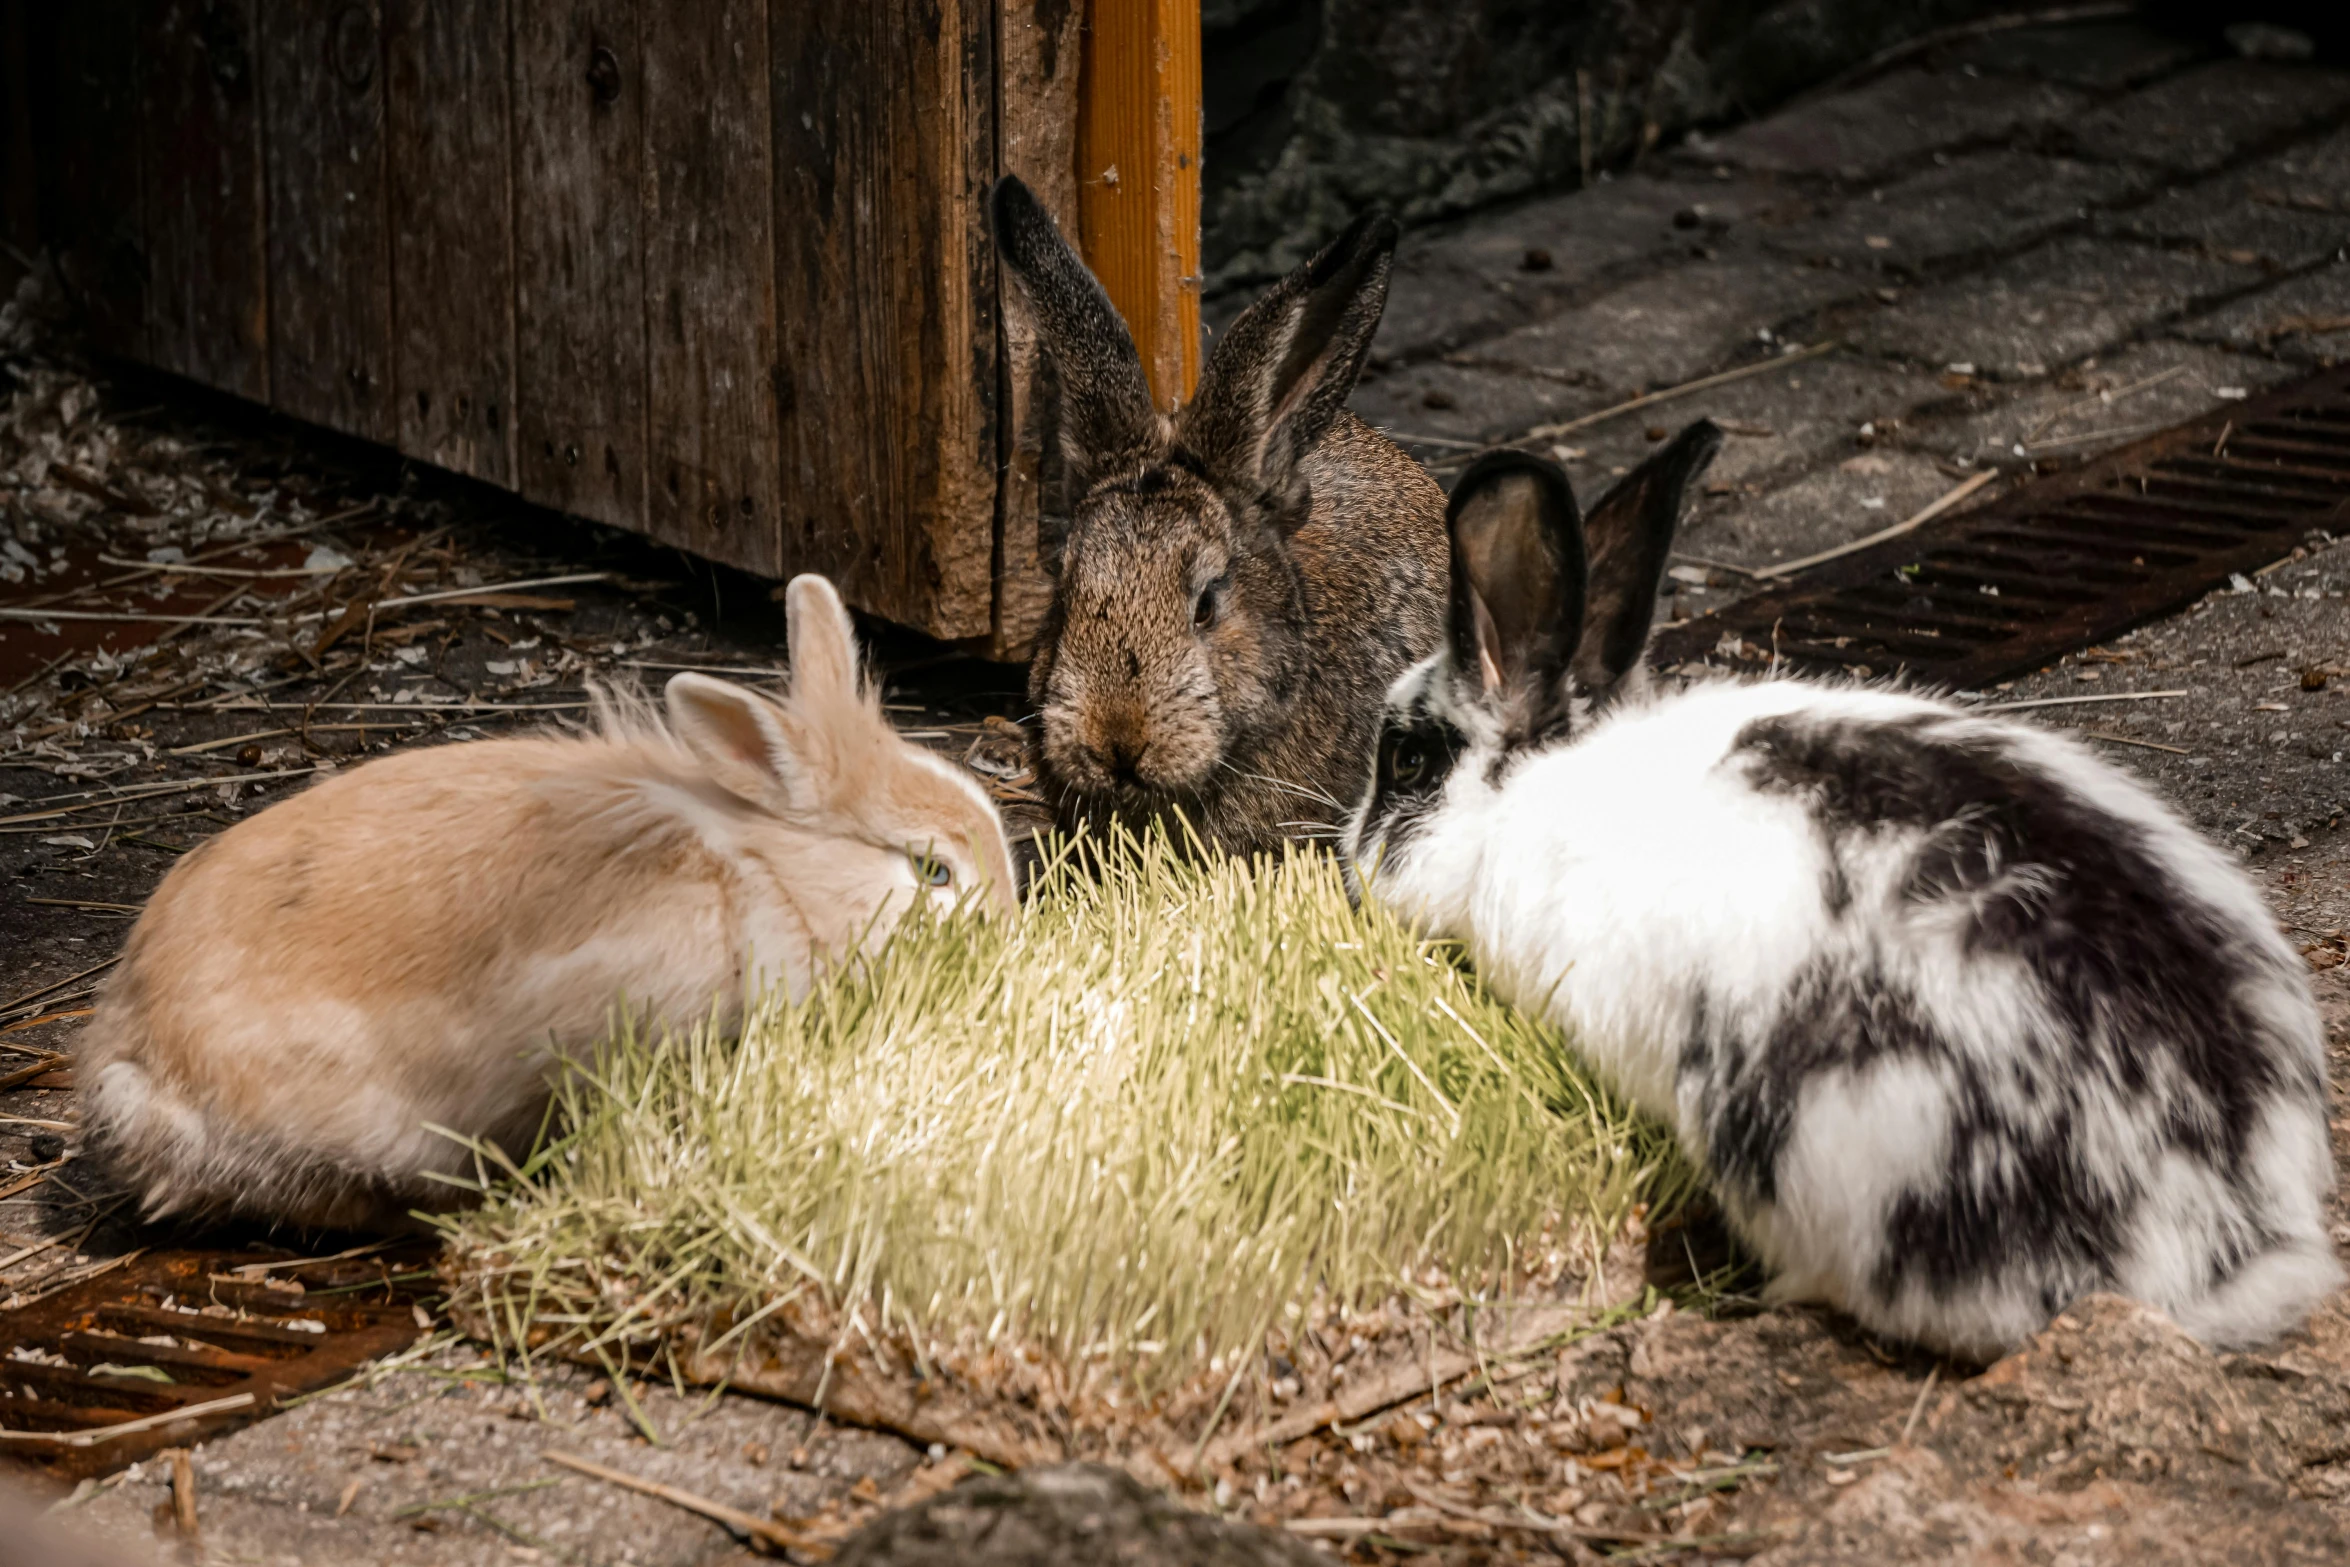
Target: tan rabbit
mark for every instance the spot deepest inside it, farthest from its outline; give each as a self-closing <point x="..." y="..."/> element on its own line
<point x="415" y="942"/>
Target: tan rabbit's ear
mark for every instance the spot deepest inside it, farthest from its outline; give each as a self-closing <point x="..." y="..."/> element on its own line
<point x="823" y="644"/>
<point x="739" y="736"/>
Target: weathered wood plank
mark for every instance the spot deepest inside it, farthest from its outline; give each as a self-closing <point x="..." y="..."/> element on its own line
<point x="885" y="147"/>
<point x="330" y="268"/>
<point x="579" y="395"/>
<point x="207" y="304"/>
<point x="709" y="285"/>
<point x="90" y="196"/>
<point x="1138" y="156"/>
<point x="450" y="142"/>
<point x="1039" y="51"/>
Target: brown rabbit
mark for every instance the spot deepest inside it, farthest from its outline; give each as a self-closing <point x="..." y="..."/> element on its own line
<point x="414" y="943"/>
<point x="1239" y="581"/>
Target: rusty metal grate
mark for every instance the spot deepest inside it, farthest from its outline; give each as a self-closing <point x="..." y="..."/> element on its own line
<point x="2064" y="562"/>
<point x="177" y="1346"/>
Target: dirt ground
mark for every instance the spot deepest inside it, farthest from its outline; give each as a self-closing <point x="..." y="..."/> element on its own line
<point x="2104" y="232"/>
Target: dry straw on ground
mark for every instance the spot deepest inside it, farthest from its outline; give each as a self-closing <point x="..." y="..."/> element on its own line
<point x="1177" y="1107"/>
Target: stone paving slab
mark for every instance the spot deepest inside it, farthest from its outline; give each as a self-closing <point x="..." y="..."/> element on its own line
<point x="368" y="1475"/>
<point x="2103" y="56"/>
<point x="2093" y="407"/>
<point x="1839" y="501"/>
<point x="1678" y="325"/>
<point x="2282" y="213"/>
<point x="2049" y="307"/>
<point x="2208" y="117"/>
<point x="1872" y="130"/>
<point x="2306" y="320"/>
<point x="1779" y="425"/>
<point x="1978" y="205"/>
<point x="1472" y="405"/>
<point x="1471" y="280"/>
<point x="1662" y="330"/>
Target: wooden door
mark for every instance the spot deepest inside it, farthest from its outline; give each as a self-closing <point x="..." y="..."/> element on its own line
<point x="714" y="270"/>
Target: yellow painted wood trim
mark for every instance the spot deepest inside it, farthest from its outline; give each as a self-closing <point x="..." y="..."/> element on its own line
<point x="1138" y="135"/>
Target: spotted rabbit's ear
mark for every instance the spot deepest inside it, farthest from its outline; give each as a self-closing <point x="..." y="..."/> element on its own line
<point x="1106" y="419"/>
<point x="1630" y="538"/>
<point x="1517" y="589"/>
<point x="1283" y="371"/>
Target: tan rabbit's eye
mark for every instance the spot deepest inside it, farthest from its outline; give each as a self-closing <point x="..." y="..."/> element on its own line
<point x="930" y="870"/>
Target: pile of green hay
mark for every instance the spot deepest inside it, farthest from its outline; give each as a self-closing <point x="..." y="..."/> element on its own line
<point x="1133" y="1127"/>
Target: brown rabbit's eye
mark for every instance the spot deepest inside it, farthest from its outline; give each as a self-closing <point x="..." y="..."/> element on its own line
<point x="931" y="871"/>
<point x="1203" y="609"/>
<point x="1407" y="762"/>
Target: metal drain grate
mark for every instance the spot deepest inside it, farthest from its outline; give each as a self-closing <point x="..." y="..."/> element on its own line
<point x="2062" y="563"/>
<point x="177" y="1346"/>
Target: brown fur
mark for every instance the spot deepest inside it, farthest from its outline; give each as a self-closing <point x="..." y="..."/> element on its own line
<point x="414" y="943"/>
<point x="1320" y="546"/>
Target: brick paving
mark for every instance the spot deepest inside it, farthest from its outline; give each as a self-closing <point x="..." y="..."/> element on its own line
<point x="1991" y="236"/>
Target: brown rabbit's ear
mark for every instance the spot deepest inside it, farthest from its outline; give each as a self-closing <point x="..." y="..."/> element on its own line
<point x="1106" y="419"/>
<point x="1630" y="536"/>
<point x="1286" y="367"/>
<point x="1517" y="588"/>
<point x="740" y="737"/>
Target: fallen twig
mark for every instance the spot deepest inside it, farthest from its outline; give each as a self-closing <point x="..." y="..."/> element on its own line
<point x="1413" y="438"/>
<point x="757" y="1531"/>
<point x="1536" y="1523"/>
<point x="450" y="595"/>
<point x="389" y="707"/>
<point x="2100" y="400"/>
<point x="30" y="1179"/>
<point x="56" y="984"/>
<point x="1949" y="498"/>
<point x="2076" y="701"/>
<point x="192" y="569"/>
<point x="183" y="1492"/>
<point x="90" y="614"/>
<point x="2087" y="437"/>
<point x="97" y="1434"/>
<point x="106" y="797"/>
<point x="43" y="1061"/>
<point x="1547" y="432"/>
<point x="1911" y="1424"/>
<point x="53" y="1017"/>
<point x="38" y="673"/>
<point x="2151" y="745"/>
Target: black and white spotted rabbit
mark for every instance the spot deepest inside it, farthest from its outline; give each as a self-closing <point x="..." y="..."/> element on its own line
<point x="1963" y="1022"/>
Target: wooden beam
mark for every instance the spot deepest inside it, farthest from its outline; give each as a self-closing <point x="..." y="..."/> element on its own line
<point x="207" y="294"/>
<point x="1138" y="177"/>
<point x="450" y="126"/>
<point x="330" y="253"/>
<point x="1040" y="52"/>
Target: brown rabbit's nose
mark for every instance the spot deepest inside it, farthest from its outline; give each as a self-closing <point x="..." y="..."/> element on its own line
<point x="1121" y="758"/>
